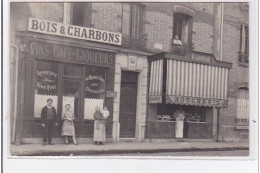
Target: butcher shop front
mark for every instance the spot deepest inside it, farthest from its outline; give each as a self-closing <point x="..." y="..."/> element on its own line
<point x="184" y="93"/>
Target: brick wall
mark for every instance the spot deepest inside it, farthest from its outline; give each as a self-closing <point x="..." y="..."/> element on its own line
<point x="158" y="30"/>
<point x="159" y="25"/>
<point x="234" y="16"/>
<point x="47" y="11"/>
<point x="107" y="16"/>
<point x="202" y="37"/>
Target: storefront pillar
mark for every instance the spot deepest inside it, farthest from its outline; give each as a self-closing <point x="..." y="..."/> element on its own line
<point x="137" y="65"/>
<point x="215" y="130"/>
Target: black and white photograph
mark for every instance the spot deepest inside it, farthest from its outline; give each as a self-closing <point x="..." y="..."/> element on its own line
<point x="131" y="79"/>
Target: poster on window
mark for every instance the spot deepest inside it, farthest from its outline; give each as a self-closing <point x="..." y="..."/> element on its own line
<point x="95" y="91"/>
<point x="89" y="107"/>
<point x="95" y="83"/>
<point x="46" y="86"/>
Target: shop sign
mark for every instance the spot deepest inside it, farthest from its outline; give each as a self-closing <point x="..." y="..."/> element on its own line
<point x="196" y="101"/>
<point x="111" y="94"/>
<point x="72" y="31"/>
<point x="201" y="58"/>
<point x="50" y="51"/>
<point x="183" y="9"/>
<point x="155" y="99"/>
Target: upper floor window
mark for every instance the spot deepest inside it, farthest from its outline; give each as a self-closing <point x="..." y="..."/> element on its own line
<point x="243" y="59"/>
<point x="242" y="106"/>
<point x="132" y="20"/>
<point x="182" y="28"/>
<point x="244" y="41"/>
<point x="81" y="14"/>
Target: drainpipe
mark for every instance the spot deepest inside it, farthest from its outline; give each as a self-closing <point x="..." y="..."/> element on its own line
<point x="221" y="32"/>
<point x="218" y="116"/>
<point x="15" y="94"/>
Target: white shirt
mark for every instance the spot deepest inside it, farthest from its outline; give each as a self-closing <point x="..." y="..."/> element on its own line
<point x="177" y="42"/>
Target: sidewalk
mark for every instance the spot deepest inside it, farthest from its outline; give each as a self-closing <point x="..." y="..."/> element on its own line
<point x="123" y="148"/>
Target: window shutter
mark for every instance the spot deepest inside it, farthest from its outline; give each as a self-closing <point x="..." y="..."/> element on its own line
<point x="190" y="25"/>
<point x="243" y="39"/>
<point x="136" y="21"/>
<point x="126" y="19"/>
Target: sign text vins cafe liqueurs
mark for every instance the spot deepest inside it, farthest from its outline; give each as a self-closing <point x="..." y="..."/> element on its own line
<point x="72" y="31"/>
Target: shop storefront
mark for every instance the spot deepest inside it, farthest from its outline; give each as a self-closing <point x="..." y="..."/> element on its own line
<point x="57" y="65"/>
<point x="68" y="74"/>
<point x="196" y="82"/>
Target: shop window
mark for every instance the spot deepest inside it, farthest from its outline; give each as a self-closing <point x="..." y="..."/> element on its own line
<point x="132" y="20"/>
<point x="72" y="71"/>
<point x="193" y="114"/>
<point x="182" y="28"/>
<point x="244" y="45"/>
<point x="46" y="86"/>
<point x="242" y="106"/>
<point x="81" y="14"/>
<point x="95" y="90"/>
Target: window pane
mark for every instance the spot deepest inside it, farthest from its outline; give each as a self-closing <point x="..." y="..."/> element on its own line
<point x="95" y="90"/>
<point x="181" y="27"/>
<point x="81" y="14"/>
<point x="71" y="96"/>
<point x="243" y="104"/>
<point x="70" y="70"/>
<point x="46" y="86"/>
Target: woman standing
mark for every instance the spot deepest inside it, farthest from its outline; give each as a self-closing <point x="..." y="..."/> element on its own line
<point x="99" y="127"/>
<point x="179" y="115"/>
<point x="68" y="129"/>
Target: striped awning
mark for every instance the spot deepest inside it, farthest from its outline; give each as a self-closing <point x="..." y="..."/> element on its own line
<point x="156" y="80"/>
<point x="196" y="84"/>
<point x="196" y="79"/>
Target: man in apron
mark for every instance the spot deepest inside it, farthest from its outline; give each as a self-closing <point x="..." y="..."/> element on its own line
<point x="179" y="115"/>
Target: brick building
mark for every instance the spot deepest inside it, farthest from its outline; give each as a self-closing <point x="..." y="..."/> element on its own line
<point x="134" y="52"/>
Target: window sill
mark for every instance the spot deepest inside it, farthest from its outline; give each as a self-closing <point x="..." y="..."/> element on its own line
<point x="241" y="127"/>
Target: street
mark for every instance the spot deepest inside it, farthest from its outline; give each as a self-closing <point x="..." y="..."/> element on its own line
<point x="196" y="153"/>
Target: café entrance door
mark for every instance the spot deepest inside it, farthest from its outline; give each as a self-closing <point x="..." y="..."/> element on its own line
<point x="128" y="101"/>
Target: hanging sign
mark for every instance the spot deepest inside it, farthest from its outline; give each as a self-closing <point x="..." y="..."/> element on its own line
<point x="72" y="31"/>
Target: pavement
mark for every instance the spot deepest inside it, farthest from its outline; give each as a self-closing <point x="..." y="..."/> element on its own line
<point x="118" y="148"/>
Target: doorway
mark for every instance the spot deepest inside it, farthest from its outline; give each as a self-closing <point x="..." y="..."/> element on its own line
<point x="128" y="102"/>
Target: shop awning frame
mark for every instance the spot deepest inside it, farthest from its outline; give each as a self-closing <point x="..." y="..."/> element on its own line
<point x="194" y="79"/>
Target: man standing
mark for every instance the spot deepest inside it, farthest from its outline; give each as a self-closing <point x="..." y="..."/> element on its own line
<point x="49" y="118"/>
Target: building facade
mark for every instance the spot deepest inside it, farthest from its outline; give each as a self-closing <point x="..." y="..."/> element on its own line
<point x="125" y="56"/>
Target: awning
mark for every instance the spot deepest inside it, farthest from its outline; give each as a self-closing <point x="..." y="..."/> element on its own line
<point x="156" y="80"/>
<point x="195" y="79"/>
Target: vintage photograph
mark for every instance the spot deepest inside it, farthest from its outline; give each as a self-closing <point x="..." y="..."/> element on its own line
<point x="129" y="79"/>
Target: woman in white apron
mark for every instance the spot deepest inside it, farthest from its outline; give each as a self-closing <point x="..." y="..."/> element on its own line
<point x="179" y="115"/>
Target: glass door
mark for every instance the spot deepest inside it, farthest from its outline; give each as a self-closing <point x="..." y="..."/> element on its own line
<point x="71" y="82"/>
<point x="71" y="88"/>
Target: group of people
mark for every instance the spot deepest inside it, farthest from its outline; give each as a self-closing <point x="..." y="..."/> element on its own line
<point x="49" y="120"/>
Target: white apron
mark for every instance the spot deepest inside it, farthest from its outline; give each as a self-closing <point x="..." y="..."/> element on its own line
<point x="179" y="129"/>
<point x="99" y="131"/>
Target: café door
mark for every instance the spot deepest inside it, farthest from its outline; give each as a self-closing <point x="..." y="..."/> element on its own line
<point x="71" y="93"/>
<point x="128" y="101"/>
